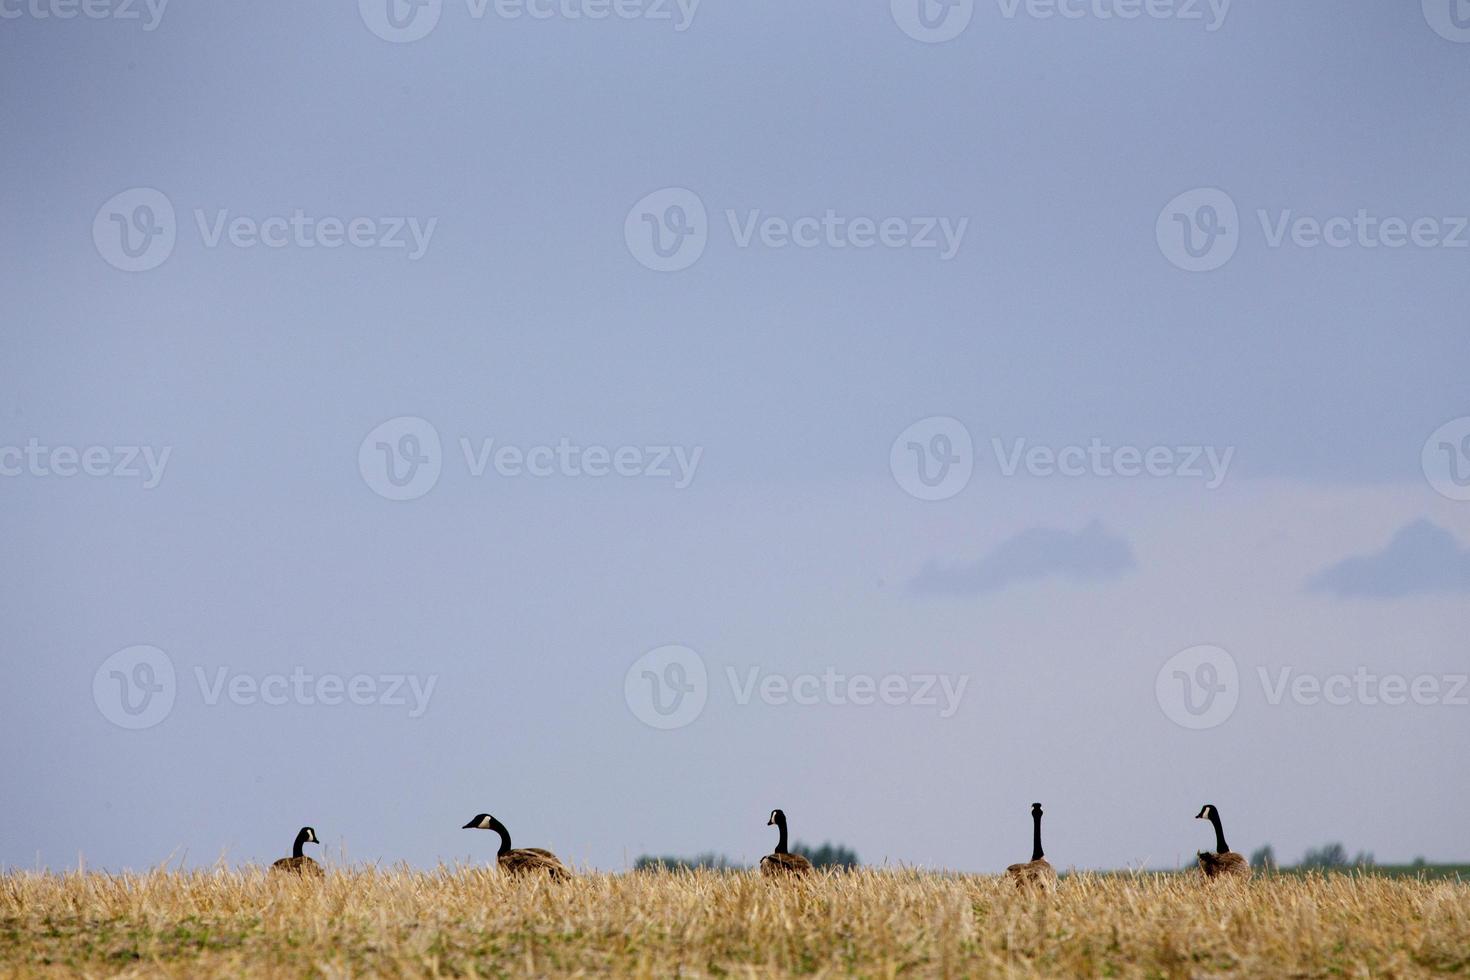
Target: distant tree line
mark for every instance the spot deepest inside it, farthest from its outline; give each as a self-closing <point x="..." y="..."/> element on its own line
<point x="709" y="861"/>
<point x="1328" y="857"/>
<point x="829" y="855"/>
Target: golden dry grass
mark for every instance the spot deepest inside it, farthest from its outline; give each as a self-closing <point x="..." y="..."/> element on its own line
<point x="472" y="922"/>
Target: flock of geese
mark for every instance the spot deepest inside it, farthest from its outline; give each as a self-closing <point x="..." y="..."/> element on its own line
<point x="1222" y="862"/>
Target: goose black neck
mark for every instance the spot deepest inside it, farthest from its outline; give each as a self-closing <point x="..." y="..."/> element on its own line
<point x="781" y="843"/>
<point x="1036" y="853"/>
<point x="1220" y="846"/>
<point x="499" y="828"/>
<point x="296" y="847"/>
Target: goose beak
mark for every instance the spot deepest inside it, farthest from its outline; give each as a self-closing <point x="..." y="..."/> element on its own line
<point x="468" y="826"/>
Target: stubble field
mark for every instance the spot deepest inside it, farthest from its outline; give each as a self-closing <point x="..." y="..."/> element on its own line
<point x="473" y="922"/>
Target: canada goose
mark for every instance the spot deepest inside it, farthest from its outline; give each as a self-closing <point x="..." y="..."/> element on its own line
<point x="782" y="862"/>
<point x="299" y="863"/>
<point x="1224" y="863"/>
<point x="1036" y="871"/>
<point x="521" y="860"/>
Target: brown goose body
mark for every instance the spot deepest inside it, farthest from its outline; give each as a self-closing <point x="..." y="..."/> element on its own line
<point x="1227" y="865"/>
<point x="1038" y="872"/>
<point x="782" y="863"/>
<point x="520" y="861"/>
<point x="299" y="863"/>
<point x="1222" y="862"/>
<point x="532" y="860"/>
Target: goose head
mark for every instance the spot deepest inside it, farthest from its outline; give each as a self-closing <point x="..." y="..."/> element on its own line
<point x="777" y="819"/>
<point x="1036" y="809"/>
<point x="482" y="821"/>
<point x="308" y="836"/>
<point x="1207" y="812"/>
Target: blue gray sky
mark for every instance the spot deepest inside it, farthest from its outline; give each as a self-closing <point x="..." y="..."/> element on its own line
<point x="1304" y="510"/>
